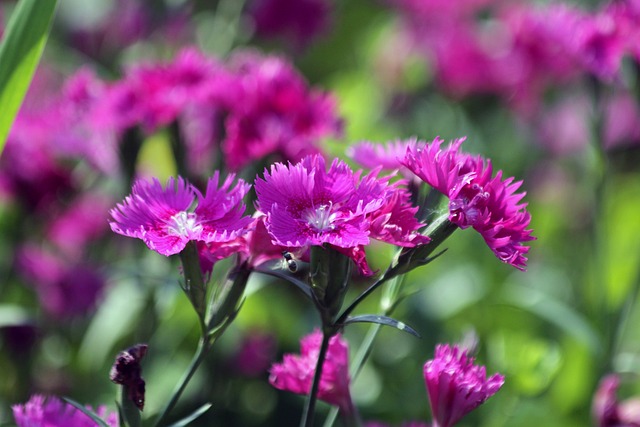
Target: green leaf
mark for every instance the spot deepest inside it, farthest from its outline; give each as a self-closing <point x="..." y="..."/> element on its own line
<point x="272" y="269"/>
<point x="382" y="320"/>
<point x="20" y="51"/>
<point x="88" y="412"/>
<point x="194" y="415"/>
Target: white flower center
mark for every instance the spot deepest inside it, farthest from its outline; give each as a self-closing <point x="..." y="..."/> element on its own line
<point x="183" y="224"/>
<point x="320" y="218"/>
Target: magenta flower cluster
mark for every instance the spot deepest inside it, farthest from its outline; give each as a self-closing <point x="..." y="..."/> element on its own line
<point x="518" y="49"/>
<point x="44" y="411"/>
<point x="456" y="386"/>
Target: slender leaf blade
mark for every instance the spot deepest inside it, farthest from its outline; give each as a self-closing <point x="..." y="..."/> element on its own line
<point x="88" y="412"/>
<point x="20" y="51"/>
<point x="194" y="415"/>
<point x="382" y="320"/>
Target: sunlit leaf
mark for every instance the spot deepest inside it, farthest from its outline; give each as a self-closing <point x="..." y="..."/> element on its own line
<point x="20" y="52"/>
<point x="382" y="320"/>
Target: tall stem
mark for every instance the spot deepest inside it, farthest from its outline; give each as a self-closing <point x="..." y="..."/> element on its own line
<point x="201" y="352"/>
<point x="310" y="403"/>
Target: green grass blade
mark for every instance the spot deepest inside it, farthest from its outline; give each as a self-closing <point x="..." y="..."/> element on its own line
<point x="20" y="51"/>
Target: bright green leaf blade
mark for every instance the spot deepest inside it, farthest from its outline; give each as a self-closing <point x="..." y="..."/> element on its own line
<point x="20" y="52"/>
<point x="382" y="320"/>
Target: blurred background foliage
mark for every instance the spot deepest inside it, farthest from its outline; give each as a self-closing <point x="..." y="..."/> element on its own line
<point x="553" y="331"/>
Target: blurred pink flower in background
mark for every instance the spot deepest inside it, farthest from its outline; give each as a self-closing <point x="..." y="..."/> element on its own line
<point x="275" y="112"/>
<point x="608" y="411"/>
<point x="82" y="221"/>
<point x="44" y="411"/>
<point x="295" y="21"/>
<point x="295" y="373"/>
<point x="65" y="289"/>
<point x="256" y="353"/>
<point x="455" y="385"/>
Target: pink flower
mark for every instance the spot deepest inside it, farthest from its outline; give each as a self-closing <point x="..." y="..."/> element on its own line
<point x="455" y="385"/>
<point x="44" y="411"/>
<point x="164" y="220"/>
<point x="275" y="113"/>
<point x="295" y="373"/>
<point x="608" y="412"/>
<point x="476" y="199"/>
<point x="306" y="205"/>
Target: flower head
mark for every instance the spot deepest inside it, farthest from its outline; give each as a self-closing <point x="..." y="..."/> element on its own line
<point x="164" y="218"/>
<point x="307" y="205"/>
<point x="43" y="411"/>
<point x="275" y="113"/>
<point x="476" y="199"/>
<point x="455" y="385"/>
<point x="608" y="411"/>
<point x="296" y="372"/>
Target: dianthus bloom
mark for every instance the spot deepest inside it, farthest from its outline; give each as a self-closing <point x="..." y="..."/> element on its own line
<point x="164" y="220"/>
<point x="42" y="411"/>
<point x="608" y="412"/>
<point x="295" y="373"/>
<point x="276" y="113"/>
<point x="490" y="205"/>
<point x="307" y="205"/>
<point x="456" y="386"/>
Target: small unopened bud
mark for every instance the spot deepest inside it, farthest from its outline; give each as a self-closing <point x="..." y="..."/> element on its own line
<point x="127" y="372"/>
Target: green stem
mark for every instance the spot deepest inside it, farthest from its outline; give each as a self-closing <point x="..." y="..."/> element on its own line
<point x="310" y="403"/>
<point x="201" y="352"/>
<point x="194" y="285"/>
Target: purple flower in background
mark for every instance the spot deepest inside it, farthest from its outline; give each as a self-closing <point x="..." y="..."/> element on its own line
<point x="388" y="156"/>
<point x="82" y="222"/>
<point x="295" y="373"/>
<point x="608" y="412"/>
<point x="65" y="289"/>
<point x="298" y="21"/>
<point x="164" y="218"/>
<point x="275" y="113"/>
<point x="257" y="351"/>
<point x="455" y="385"/>
<point x="44" y="411"/>
<point x="476" y="199"/>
